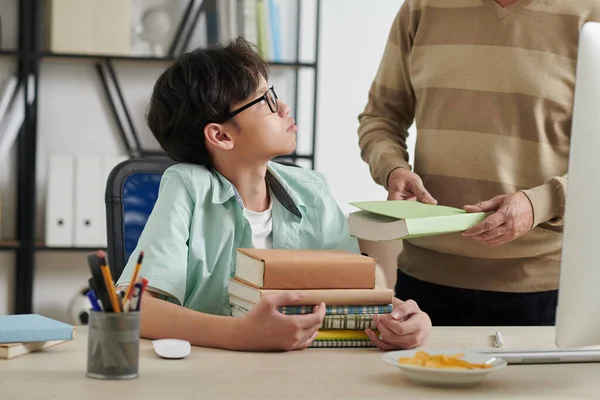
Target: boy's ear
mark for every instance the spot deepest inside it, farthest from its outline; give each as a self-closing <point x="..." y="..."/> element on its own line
<point x="217" y="135"/>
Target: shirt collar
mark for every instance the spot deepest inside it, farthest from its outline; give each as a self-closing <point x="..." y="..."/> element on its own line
<point x="223" y="190"/>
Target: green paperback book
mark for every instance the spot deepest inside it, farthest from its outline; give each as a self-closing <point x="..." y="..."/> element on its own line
<point x="403" y="219"/>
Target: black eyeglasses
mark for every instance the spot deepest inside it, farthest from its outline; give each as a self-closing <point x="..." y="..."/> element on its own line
<point x="270" y="97"/>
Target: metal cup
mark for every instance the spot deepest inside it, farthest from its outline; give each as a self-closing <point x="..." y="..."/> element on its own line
<point x="113" y="345"/>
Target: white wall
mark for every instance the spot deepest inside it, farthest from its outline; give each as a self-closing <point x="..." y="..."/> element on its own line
<point x="353" y="37"/>
<point x="74" y="118"/>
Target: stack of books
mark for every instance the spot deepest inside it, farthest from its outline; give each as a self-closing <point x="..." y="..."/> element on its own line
<point x="344" y="281"/>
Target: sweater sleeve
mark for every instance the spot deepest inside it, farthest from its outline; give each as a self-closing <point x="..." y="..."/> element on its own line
<point x="548" y="201"/>
<point x="389" y="112"/>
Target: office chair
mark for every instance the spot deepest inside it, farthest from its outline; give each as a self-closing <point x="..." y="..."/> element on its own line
<point x="131" y="191"/>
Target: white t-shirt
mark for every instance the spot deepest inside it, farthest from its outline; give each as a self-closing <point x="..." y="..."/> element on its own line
<point x="262" y="228"/>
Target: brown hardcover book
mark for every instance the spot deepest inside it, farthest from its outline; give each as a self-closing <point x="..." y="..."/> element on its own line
<point x="342" y="297"/>
<point x="305" y="269"/>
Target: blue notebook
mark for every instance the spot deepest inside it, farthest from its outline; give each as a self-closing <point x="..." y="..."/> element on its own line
<point x="23" y="328"/>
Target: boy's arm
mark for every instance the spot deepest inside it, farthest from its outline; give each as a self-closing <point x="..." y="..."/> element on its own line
<point x="264" y="328"/>
<point x="162" y="319"/>
<point x="164" y="243"/>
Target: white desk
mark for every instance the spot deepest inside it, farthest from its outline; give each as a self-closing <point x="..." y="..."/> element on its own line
<point x="59" y="373"/>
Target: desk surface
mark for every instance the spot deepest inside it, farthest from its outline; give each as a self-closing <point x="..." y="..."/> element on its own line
<point x="59" y="372"/>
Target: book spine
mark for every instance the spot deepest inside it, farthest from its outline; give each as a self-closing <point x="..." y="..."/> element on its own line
<point x="342" y="297"/>
<point x="40" y="335"/>
<point x="320" y="276"/>
<point x="355" y="322"/>
<point x="330" y="322"/>
<point x="338" y="310"/>
<point x="443" y="224"/>
<point x="341" y="343"/>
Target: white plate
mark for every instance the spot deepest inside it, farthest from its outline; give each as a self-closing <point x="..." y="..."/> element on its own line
<point x="446" y="377"/>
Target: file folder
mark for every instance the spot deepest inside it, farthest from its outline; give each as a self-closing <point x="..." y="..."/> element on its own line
<point x="59" y="201"/>
<point x="89" y="202"/>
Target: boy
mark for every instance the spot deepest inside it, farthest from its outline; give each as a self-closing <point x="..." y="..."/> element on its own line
<point x="213" y="112"/>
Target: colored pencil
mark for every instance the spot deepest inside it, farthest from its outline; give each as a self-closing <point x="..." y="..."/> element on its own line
<point x="108" y="281"/>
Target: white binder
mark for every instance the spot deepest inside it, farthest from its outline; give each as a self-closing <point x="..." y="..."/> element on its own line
<point x="59" y="202"/>
<point x="89" y="202"/>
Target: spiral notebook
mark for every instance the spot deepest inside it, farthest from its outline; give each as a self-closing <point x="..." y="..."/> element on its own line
<point x="331" y="338"/>
<point x="357" y="343"/>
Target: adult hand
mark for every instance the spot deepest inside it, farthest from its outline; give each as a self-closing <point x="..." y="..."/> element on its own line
<point x="406" y="185"/>
<point x="406" y="327"/>
<point x="264" y="328"/>
<point x="512" y="217"/>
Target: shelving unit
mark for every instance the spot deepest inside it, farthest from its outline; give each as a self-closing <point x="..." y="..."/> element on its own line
<point x="29" y="57"/>
<point x="12" y="245"/>
<point x="100" y="57"/>
<point x="9" y="245"/>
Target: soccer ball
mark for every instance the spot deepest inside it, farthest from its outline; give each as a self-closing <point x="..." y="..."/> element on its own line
<point x="79" y="308"/>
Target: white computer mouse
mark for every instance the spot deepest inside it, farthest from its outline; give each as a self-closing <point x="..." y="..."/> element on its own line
<point x="171" y="348"/>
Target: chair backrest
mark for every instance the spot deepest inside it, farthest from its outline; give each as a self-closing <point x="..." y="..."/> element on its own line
<point x="131" y="191"/>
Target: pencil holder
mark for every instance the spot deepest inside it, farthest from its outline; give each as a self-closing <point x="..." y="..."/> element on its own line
<point x="113" y="345"/>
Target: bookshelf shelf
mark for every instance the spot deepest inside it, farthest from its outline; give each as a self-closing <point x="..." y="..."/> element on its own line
<point x="9" y="53"/>
<point x="10" y="245"/>
<point x="103" y="57"/>
<point x="43" y="247"/>
<point x="292" y="64"/>
<point x="13" y="245"/>
<point x="147" y="59"/>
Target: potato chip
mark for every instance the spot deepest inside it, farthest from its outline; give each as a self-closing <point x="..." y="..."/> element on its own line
<point x="424" y="359"/>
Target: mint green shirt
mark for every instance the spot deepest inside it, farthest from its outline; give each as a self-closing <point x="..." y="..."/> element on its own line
<point x="191" y="236"/>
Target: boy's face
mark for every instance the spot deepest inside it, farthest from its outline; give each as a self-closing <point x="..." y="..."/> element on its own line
<point x="263" y="130"/>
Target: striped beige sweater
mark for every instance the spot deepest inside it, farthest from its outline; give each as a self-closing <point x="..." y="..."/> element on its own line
<point x="491" y="91"/>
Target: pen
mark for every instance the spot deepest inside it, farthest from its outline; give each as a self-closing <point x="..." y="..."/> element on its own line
<point x="130" y="304"/>
<point x="120" y="297"/>
<point x="144" y="284"/>
<point x="498" y="340"/>
<point x="96" y="283"/>
<point x="92" y="296"/>
<point x="135" y="298"/>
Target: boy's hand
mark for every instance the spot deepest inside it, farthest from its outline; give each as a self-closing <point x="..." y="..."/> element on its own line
<point x="264" y="328"/>
<point x="406" y="327"/>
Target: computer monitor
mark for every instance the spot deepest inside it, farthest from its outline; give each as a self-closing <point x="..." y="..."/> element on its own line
<point x="578" y="311"/>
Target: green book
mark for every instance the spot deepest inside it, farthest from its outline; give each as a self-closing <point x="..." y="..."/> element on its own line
<point x="402" y="219"/>
<point x="263" y="29"/>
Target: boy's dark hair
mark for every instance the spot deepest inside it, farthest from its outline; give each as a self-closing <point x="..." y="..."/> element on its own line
<point x="200" y="87"/>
